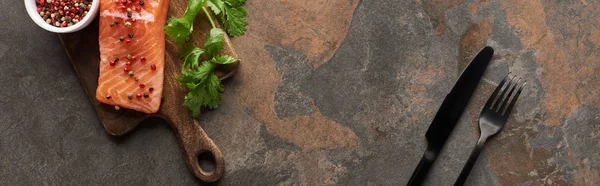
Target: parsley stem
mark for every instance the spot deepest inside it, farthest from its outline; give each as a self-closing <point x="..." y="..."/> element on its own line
<point x="208" y="16"/>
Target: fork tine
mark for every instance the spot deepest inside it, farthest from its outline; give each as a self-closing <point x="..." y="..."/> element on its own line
<point x="514" y="100"/>
<point x="501" y="97"/>
<point x="488" y="104"/>
<point x="506" y="100"/>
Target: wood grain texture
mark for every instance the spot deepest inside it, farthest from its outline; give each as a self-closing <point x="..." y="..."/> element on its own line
<point x="83" y="51"/>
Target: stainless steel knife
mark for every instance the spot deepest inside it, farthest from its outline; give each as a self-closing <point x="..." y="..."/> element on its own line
<point x="450" y="111"/>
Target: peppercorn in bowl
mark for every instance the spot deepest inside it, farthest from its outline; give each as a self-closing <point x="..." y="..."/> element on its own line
<point x="62" y="16"/>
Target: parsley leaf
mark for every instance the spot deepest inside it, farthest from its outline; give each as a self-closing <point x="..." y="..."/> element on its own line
<point x="214" y="41"/>
<point x="204" y="88"/>
<point x="233" y="15"/>
<point x="216" y="6"/>
<point x="191" y="54"/>
<point x="236" y="21"/>
<point x="180" y="29"/>
<point x="186" y="49"/>
<point x="207" y="94"/>
<point x="223" y="60"/>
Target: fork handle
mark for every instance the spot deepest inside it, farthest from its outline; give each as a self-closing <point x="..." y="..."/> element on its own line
<point x="470" y="162"/>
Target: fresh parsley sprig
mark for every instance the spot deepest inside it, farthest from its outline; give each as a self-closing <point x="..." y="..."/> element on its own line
<point x="203" y="85"/>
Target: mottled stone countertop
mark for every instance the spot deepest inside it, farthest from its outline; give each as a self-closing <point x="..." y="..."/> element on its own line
<point x="330" y="92"/>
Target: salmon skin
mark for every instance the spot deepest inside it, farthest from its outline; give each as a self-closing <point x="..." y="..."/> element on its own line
<point x="132" y="53"/>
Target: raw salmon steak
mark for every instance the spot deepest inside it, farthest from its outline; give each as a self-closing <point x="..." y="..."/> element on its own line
<point x="132" y="53"/>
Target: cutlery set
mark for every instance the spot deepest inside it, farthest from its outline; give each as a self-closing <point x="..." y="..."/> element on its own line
<point x="491" y="120"/>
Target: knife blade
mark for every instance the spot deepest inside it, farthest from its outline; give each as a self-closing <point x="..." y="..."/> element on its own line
<point x="450" y="111"/>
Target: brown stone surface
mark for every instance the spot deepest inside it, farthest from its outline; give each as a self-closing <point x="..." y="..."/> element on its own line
<point x="332" y="92"/>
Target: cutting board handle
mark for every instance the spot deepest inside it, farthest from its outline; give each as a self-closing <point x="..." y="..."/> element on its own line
<point x="194" y="142"/>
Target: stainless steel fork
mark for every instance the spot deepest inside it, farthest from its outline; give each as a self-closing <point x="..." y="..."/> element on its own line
<point x="492" y="118"/>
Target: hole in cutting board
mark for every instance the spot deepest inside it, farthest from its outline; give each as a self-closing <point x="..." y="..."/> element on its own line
<point x="207" y="162"/>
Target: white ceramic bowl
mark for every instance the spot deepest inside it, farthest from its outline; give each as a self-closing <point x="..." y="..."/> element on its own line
<point x="35" y="16"/>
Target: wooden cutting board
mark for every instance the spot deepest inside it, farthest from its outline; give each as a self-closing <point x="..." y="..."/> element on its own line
<point x="82" y="50"/>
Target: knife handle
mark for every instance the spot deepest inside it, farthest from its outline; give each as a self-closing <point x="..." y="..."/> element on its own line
<point x="422" y="169"/>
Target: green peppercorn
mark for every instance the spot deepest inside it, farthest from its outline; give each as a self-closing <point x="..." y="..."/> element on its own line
<point x="122" y="38"/>
<point x="117" y="108"/>
<point x="116" y="59"/>
<point x="128" y="56"/>
<point x="146" y="95"/>
<point x="130" y="35"/>
<point x="130" y="96"/>
<point x="127" y="24"/>
<point x="129" y="14"/>
<point x="131" y="73"/>
<point x="112" y="24"/>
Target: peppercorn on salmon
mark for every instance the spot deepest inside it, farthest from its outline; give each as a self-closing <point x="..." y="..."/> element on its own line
<point x="132" y="50"/>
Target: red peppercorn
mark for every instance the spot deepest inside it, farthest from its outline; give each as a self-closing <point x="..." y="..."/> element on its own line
<point x="128" y="63"/>
<point x="123" y="7"/>
<point x="138" y="8"/>
<point x="142" y="85"/>
<point x="151" y="89"/>
<point x="128" y="41"/>
<point x="136" y="79"/>
<point x="39" y="9"/>
<point x="133" y="20"/>
<point x="153" y="67"/>
<point x="124" y="1"/>
<point x="138" y="95"/>
<point x="72" y="14"/>
<point x="63" y="24"/>
<point x="108" y="96"/>
<point x="112" y="63"/>
<point x="134" y="58"/>
<point x="126" y="70"/>
<point x="143" y="59"/>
